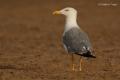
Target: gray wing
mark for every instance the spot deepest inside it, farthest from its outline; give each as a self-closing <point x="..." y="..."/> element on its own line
<point x="76" y="41"/>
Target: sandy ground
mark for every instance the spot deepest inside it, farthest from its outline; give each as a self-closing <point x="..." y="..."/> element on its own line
<point x="30" y="40"/>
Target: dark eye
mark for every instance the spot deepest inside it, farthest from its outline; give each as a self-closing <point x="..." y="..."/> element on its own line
<point x="66" y="10"/>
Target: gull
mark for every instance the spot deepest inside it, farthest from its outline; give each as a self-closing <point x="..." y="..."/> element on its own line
<point x="75" y="40"/>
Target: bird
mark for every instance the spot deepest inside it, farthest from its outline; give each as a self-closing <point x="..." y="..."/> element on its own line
<point x="75" y="40"/>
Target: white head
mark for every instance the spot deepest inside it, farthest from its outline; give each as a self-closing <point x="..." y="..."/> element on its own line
<point x="68" y="11"/>
<point x="71" y="17"/>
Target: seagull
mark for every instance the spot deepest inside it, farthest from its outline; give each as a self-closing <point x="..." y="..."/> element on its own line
<point x="75" y="40"/>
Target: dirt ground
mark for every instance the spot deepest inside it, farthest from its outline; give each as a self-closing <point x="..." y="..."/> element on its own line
<point x="30" y="40"/>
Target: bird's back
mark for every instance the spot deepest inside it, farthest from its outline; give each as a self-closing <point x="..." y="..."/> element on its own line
<point x="76" y="41"/>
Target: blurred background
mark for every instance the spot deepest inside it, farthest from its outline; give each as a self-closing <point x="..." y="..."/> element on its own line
<point x="30" y="40"/>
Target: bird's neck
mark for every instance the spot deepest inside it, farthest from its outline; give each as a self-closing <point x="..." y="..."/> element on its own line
<point x="71" y="22"/>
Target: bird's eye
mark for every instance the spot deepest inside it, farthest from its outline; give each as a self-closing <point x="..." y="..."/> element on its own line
<point x="66" y="10"/>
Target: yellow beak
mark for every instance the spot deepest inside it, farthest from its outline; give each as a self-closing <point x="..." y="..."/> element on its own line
<point x="56" y="12"/>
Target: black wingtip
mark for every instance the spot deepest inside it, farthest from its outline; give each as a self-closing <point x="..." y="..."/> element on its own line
<point x="92" y="56"/>
<point x="88" y="54"/>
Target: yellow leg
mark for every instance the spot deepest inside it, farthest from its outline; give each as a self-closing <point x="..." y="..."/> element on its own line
<point x="80" y="64"/>
<point x="73" y="65"/>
